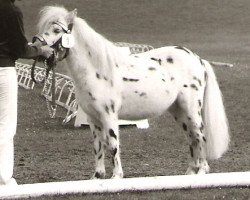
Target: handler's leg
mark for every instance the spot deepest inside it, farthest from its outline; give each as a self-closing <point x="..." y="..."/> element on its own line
<point x="8" y="121"/>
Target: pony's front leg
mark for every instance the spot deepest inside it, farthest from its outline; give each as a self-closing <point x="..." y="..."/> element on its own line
<point x="112" y="130"/>
<point x="99" y="147"/>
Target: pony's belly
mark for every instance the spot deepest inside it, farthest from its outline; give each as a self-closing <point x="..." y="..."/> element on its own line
<point x="138" y="114"/>
<point x="135" y="108"/>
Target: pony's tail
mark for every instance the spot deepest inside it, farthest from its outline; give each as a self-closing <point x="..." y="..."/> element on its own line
<point x="214" y="116"/>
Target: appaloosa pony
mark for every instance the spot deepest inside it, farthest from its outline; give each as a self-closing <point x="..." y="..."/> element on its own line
<point x="113" y="85"/>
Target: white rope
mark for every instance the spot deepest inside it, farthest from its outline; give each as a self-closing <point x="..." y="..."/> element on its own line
<point x="220" y="180"/>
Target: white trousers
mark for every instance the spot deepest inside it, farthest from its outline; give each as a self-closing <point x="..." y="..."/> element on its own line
<point x="8" y="121"/>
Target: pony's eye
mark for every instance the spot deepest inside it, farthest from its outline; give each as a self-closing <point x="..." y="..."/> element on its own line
<point x="57" y="31"/>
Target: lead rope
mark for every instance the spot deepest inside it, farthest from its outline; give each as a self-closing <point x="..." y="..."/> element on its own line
<point x="50" y="106"/>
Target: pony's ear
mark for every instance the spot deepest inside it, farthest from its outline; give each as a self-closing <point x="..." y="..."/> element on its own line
<point x="72" y="14"/>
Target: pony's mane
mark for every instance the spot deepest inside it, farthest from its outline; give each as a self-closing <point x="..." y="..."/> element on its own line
<point x="104" y="51"/>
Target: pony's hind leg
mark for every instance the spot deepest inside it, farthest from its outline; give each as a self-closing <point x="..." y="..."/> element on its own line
<point x="199" y="164"/>
<point x="99" y="148"/>
<point x="187" y="111"/>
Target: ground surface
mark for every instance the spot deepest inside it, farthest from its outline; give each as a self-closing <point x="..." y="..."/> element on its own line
<point x="216" y="30"/>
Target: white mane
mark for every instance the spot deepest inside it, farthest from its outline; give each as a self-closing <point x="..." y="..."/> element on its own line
<point x="104" y="54"/>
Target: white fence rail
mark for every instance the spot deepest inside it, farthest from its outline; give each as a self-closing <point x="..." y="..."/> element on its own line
<point x="216" y="180"/>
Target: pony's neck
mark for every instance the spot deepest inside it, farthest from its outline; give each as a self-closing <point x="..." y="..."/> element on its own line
<point x="92" y="51"/>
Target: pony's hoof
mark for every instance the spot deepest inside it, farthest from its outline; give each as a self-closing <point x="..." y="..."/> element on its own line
<point x="204" y="169"/>
<point x="98" y="175"/>
<point x="117" y="176"/>
<point x="11" y="183"/>
<point x="190" y="171"/>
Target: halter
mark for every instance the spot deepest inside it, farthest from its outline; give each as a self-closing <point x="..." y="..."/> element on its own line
<point x="51" y="62"/>
<point x="67" y="31"/>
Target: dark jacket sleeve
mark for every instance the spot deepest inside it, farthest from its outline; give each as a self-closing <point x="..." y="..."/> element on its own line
<point x="18" y="43"/>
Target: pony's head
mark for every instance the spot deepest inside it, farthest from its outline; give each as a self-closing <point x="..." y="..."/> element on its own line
<point x="55" y="26"/>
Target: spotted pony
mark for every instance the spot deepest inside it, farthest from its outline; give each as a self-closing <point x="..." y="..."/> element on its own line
<point x="113" y="85"/>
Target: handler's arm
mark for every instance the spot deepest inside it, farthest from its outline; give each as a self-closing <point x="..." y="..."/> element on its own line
<point x="18" y="43"/>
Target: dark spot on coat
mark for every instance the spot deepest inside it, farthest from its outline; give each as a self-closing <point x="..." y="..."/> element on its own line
<point x="89" y="54"/>
<point x="204" y="139"/>
<point x="112" y="106"/>
<point x="151" y="68"/>
<point x="184" y="127"/>
<point x="199" y="102"/>
<point x="194" y="87"/>
<point x="117" y="65"/>
<point x="107" y="109"/>
<point x="98" y="76"/>
<point x="105" y="78"/>
<point x="191" y="134"/>
<point x="112" y="133"/>
<point x="191" y="151"/>
<point x="163" y="80"/>
<point x="98" y="128"/>
<point x="130" y="79"/>
<point x="185" y="85"/>
<point x="157" y="60"/>
<point x="91" y="96"/>
<point x="100" y="146"/>
<point x="94" y="134"/>
<point x="172" y="78"/>
<point x="170" y="60"/>
<point x="143" y="94"/>
<point x="133" y="80"/>
<point x="114" y="151"/>
<point x="202" y="127"/>
<point x="100" y="157"/>
<point x="182" y="48"/>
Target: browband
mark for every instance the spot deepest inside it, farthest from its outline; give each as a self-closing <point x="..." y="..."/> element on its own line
<point x="67" y="29"/>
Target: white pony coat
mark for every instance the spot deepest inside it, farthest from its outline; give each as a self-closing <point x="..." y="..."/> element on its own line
<point x="112" y="85"/>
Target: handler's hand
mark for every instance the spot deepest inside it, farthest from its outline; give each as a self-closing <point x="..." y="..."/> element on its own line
<point x="47" y="51"/>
